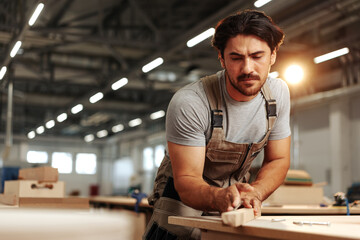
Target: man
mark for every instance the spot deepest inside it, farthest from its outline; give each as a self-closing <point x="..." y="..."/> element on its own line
<point x="216" y="126"/>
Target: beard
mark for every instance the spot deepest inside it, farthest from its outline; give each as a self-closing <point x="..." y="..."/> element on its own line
<point x="244" y="87"/>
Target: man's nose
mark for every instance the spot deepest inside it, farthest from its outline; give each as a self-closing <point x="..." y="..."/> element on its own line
<point x="248" y="66"/>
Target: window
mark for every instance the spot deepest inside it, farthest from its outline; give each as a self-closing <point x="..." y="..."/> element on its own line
<point x="148" y="159"/>
<point x="62" y="161"/>
<point x="159" y="154"/>
<point x="37" y="157"/>
<point x="85" y="163"/>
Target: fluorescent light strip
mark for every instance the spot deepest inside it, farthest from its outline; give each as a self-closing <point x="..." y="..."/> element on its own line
<point x="15" y="49"/>
<point x="77" y="108"/>
<point x="40" y="130"/>
<point x="50" y="124"/>
<point x="36" y="14"/>
<point x="331" y="55"/>
<point x="31" y="135"/>
<point x="89" y="138"/>
<point x="153" y="64"/>
<point x="2" y="72"/>
<point x="135" y="122"/>
<point x="201" y="37"/>
<point x="102" y="133"/>
<point x="120" y="83"/>
<point x="62" y="117"/>
<point x="260" y="3"/>
<point x="117" y="128"/>
<point x="157" y="115"/>
<point x="96" y="97"/>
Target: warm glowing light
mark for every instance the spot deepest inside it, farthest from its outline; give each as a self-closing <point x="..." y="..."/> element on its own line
<point x="260" y="3"/>
<point x="201" y="37"/>
<point x="294" y="74"/>
<point x="273" y="74"/>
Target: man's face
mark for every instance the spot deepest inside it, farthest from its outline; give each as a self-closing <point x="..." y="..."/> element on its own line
<point x="247" y="61"/>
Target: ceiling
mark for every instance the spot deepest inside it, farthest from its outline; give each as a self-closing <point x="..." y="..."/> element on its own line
<point x="77" y="48"/>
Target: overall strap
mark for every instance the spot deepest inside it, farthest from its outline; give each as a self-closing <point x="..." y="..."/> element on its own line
<point x="270" y="105"/>
<point x="213" y="94"/>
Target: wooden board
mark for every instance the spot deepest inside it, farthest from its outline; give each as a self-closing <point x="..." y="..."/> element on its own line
<point x="238" y="217"/>
<point x="120" y="201"/>
<point x="43" y="174"/>
<point x="31" y="188"/>
<point x="341" y="227"/>
<point x="308" y="210"/>
<point x="73" y="202"/>
<point x="9" y="199"/>
<point x="296" y="195"/>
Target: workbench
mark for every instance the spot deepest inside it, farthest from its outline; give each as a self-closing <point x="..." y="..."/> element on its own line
<point x="264" y="227"/>
<point x="308" y="210"/>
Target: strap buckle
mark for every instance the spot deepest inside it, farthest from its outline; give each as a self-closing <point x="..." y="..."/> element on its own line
<point x="217" y="118"/>
<point x="271" y="108"/>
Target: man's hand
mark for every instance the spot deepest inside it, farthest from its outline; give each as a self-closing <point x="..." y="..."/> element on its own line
<point x="250" y="197"/>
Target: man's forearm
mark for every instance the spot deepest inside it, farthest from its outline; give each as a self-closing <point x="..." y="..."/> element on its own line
<point x="270" y="177"/>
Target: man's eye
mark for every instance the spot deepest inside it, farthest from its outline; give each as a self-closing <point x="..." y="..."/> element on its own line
<point x="257" y="57"/>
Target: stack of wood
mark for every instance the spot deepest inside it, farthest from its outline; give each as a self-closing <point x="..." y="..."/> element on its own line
<point x="39" y="187"/>
<point x="297" y="189"/>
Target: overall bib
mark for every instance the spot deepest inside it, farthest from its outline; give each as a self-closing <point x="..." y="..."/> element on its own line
<point x="225" y="163"/>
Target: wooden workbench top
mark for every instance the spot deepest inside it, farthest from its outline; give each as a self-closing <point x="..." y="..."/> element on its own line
<point x="341" y="227"/>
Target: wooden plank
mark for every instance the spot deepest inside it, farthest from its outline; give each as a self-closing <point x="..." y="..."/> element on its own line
<point x="121" y="201"/>
<point x="238" y="217"/>
<point x="308" y="210"/>
<point x="31" y="188"/>
<point x="9" y="199"/>
<point x="296" y="195"/>
<point x="43" y="174"/>
<point x="73" y="202"/>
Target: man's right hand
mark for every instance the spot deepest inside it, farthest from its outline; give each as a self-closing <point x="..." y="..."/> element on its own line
<point x="227" y="199"/>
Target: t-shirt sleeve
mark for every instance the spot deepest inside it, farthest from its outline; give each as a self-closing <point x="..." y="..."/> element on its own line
<point x="281" y="128"/>
<point x="186" y="119"/>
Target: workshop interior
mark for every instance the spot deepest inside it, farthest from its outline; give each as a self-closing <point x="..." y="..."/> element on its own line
<point x="84" y="91"/>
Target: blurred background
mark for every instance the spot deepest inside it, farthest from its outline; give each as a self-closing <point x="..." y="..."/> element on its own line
<point x="77" y="91"/>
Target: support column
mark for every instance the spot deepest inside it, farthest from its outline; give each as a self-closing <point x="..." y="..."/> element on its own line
<point x="340" y="144"/>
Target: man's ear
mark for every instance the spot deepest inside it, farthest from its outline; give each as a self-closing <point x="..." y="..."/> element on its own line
<point x="222" y="61"/>
<point x="273" y="58"/>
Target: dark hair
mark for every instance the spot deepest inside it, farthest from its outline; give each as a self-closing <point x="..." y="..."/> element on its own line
<point x="248" y="22"/>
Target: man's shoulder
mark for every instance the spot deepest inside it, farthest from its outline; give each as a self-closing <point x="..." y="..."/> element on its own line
<point x="278" y="87"/>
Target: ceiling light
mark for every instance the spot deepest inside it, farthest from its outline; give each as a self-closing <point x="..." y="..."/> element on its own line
<point x="2" y="72"/>
<point x="294" y="74"/>
<point x="89" y="138"/>
<point x="153" y="64"/>
<point x="117" y="128"/>
<point x="15" y="49"/>
<point x="102" y="133"/>
<point x="40" y="130"/>
<point x="274" y="74"/>
<point x="96" y="97"/>
<point x="77" y="108"/>
<point x="50" y="124"/>
<point x="157" y="115"/>
<point x="201" y="37"/>
<point x="135" y="122"/>
<point x="31" y="135"/>
<point x="331" y="55"/>
<point x="120" y="83"/>
<point x="62" y="117"/>
<point x="260" y="3"/>
<point x="36" y="14"/>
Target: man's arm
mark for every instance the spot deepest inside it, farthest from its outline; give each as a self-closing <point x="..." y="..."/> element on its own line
<point x="271" y="175"/>
<point x="188" y="164"/>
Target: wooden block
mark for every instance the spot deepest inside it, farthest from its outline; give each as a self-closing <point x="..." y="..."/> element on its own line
<point x="45" y="174"/>
<point x="238" y="217"/>
<point x="296" y="195"/>
<point x="9" y="199"/>
<point x="30" y="188"/>
<point x="298" y="177"/>
<point x="72" y="202"/>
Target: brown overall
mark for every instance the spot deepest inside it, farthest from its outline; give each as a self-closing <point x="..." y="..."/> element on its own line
<point x="225" y="163"/>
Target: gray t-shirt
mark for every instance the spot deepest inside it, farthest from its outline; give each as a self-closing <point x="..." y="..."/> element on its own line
<point x="188" y="115"/>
